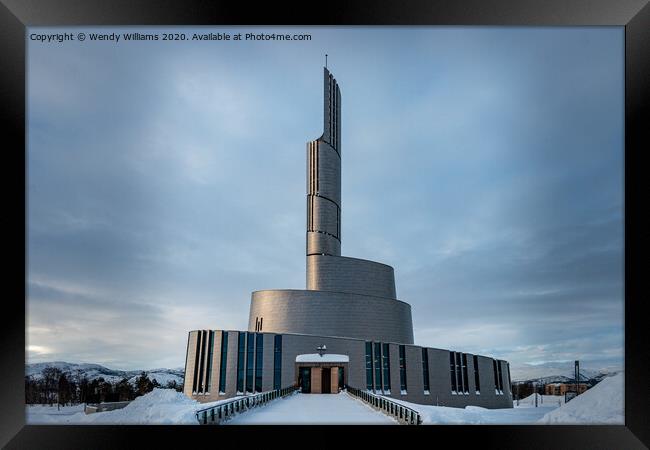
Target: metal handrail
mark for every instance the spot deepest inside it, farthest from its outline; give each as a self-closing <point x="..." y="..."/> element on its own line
<point x="215" y="414"/>
<point x="401" y="413"/>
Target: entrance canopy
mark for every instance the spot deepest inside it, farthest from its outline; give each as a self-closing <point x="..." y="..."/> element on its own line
<point x="316" y="358"/>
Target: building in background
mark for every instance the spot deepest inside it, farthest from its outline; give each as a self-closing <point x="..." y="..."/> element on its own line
<point x="563" y="388"/>
<point x="349" y="311"/>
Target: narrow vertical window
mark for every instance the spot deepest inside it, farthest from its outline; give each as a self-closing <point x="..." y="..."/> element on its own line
<point x="402" y="368"/>
<point x="224" y="360"/>
<point x="386" y="366"/>
<point x="261" y="322"/>
<point x="369" y="366"/>
<point x="277" y="361"/>
<point x="204" y="335"/>
<point x="377" y="364"/>
<point x="311" y="167"/>
<point x="313" y="171"/>
<point x="316" y="168"/>
<point x="197" y="355"/>
<point x="509" y="379"/>
<point x="208" y="372"/>
<point x="477" y="381"/>
<point x="259" y="347"/>
<point x="250" y="361"/>
<point x="459" y="374"/>
<point x="496" y="381"/>
<point x="466" y="382"/>
<point x="500" y="377"/>
<point x="241" y="359"/>
<point x="452" y="370"/>
<point x="338" y="222"/>
<point x="425" y="369"/>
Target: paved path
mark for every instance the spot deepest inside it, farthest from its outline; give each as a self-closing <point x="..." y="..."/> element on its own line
<point x="316" y="409"/>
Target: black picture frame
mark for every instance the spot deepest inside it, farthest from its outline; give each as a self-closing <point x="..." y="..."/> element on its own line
<point x="634" y="15"/>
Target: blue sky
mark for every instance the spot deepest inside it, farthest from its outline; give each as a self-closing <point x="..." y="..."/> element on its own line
<point x="166" y="181"/>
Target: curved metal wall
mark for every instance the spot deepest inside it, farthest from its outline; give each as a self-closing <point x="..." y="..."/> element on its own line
<point x="324" y="178"/>
<point x="343" y="274"/>
<point x="327" y="313"/>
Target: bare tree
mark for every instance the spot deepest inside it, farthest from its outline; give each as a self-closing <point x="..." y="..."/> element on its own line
<point x="51" y="377"/>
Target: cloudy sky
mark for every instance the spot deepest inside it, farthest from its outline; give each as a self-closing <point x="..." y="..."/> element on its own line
<point x="166" y="181"/>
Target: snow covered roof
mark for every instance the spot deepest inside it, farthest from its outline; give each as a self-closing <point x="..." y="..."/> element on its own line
<point x="315" y="357"/>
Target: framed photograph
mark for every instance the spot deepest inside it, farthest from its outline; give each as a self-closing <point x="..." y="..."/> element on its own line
<point x="380" y="215"/>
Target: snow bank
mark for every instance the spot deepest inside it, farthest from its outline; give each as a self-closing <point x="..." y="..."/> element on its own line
<point x="476" y="415"/>
<point x="602" y="404"/>
<point x="158" y="407"/>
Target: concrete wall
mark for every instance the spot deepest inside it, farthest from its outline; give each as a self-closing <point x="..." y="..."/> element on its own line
<point x="293" y="344"/>
<point x="189" y="363"/>
<point x="325" y="313"/>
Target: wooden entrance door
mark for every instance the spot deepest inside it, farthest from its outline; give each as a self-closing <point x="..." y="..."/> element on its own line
<point x="326" y="381"/>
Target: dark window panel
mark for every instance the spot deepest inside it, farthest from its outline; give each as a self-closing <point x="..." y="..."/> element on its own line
<point x="259" y="360"/>
<point x="425" y="368"/>
<point x="250" y="361"/>
<point x="477" y="380"/>
<point x="224" y="360"/>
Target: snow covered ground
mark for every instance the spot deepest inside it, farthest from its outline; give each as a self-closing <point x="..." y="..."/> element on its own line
<point x="158" y="407"/>
<point x="166" y="406"/>
<point x="53" y="410"/>
<point x="602" y="404"/>
<point x="475" y="415"/>
<point x="321" y="409"/>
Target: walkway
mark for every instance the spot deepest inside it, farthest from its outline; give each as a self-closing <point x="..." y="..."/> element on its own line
<point x="316" y="409"/>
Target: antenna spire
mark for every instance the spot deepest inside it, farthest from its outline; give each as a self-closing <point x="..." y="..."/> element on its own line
<point x="326" y="60"/>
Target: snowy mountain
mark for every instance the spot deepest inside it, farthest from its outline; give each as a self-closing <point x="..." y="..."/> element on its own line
<point x="561" y="372"/>
<point x="94" y="371"/>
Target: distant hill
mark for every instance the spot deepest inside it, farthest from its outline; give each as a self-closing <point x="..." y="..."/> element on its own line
<point x="94" y="371"/>
<point x="562" y="372"/>
<point x="589" y="377"/>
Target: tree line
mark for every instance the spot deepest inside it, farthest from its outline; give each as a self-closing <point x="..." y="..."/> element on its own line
<point x="58" y="388"/>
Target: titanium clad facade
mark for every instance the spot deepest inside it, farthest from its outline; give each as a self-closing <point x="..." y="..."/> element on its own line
<point x="346" y="297"/>
<point x="324" y="177"/>
<point x="325" y="313"/>
<point x="353" y="275"/>
<point x="350" y="305"/>
<point x="439" y="393"/>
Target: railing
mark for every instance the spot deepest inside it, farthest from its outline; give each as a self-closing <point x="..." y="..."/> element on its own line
<point x="215" y="414"/>
<point x="403" y="414"/>
<point x="90" y="408"/>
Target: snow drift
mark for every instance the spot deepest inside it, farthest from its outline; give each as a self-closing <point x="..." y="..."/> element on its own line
<point x="602" y="404"/>
<point x="158" y="407"/>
